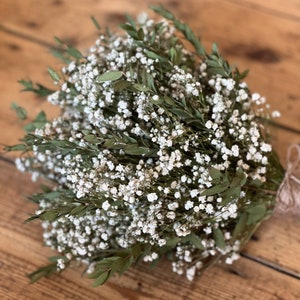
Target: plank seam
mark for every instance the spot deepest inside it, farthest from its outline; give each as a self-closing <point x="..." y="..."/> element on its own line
<point x="267" y="10"/>
<point x="27" y="37"/>
<point x="271" y="265"/>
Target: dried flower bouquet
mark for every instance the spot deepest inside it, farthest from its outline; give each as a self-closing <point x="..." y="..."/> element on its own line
<point x="158" y="151"/>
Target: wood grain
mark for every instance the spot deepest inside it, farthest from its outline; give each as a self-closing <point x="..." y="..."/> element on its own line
<point x="21" y="252"/>
<point x="262" y="36"/>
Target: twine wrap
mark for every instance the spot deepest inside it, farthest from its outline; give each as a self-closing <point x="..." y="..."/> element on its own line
<point x="288" y="195"/>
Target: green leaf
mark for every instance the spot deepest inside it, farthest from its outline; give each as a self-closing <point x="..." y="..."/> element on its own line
<point x="50" y="215"/>
<point x="187" y="32"/>
<point x="39" y="122"/>
<point x="136" y="150"/>
<point x="38" y="89"/>
<point x="155" y="56"/>
<point x="219" y="238"/>
<point x="175" y="56"/>
<point x="121" y="85"/>
<point x="95" y="22"/>
<point x="19" y="147"/>
<point x="172" y="242"/>
<point x="239" y="179"/>
<point x="91" y="138"/>
<point x="240" y="226"/>
<point x="141" y="87"/>
<point x="217" y="189"/>
<point x="140" y="34"/>
<point x="77" y="210"/>
<point x="74" y="52"/>
<point x="20" y="111"/>
<point x="45" y="271"/>
<point x="230" y="194"/>
<point x="101" y="279"/>
<point x="53" y="74"/>
<point x="215" y="173"/>
<point x="193" y="239"/>
<point x="131" y="30"/>
<point x="110" y="76"/>
<point x="256" y="213"/>
<point x="180" y="113"/>
<point x="58" y="41"/>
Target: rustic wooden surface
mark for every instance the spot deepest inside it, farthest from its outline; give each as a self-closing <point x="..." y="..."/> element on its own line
<point x="261" y="35"/>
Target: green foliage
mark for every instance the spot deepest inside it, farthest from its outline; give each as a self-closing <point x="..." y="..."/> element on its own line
<point x="39" y="122"/>
<point x="95" y="22"/>
<point x="36" y="88"/>
<point x="20" y="111"/>
<point x="219" y="238"/>
<point x="65" y="52"/>
<point x="186" y="30"/>
<point x="110" y="76"/>
<point x="48" y="270"/>
<point x="54" y="75"/>
<point x="106" y="267"/>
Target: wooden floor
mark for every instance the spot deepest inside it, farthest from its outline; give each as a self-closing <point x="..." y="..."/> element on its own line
<point x="263" y="36"/>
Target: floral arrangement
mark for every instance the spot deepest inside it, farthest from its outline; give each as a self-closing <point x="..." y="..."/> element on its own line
<point x="159" y="151"/>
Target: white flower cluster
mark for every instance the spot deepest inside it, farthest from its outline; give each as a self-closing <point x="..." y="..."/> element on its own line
<point x="148" y="147"/>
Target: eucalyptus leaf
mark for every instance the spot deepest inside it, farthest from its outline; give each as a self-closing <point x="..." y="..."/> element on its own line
<point x="54" y="75"/>
<point x="101" y="279"/>
<point x="110" y="76"/>
<point x="121" y="85"/>
<point x="18" y="147"/>
<point x="256" y="213"/>
<point x="20" y="111"/>
<point x="219" y="238"/>
<point x="135" y="150"/>
<point x="240" y="226"/>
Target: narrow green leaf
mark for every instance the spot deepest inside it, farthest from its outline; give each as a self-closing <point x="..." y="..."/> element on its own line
<point x="91" y="138"/>
<point x="141" y="88"/>
<point x="180" y="113"/>
<point x="155" y="56"/>
<point x="20" y="111"/>
<point x="101" y="279"/>
<point x="256" y="213"/>
<point x="110" y="76"/>
<point x="42" y="272"/>
<point x="95" y="22"/>
<point x="53" y="74"/>
<point x="19" y="147"/>
<point x="193" y="239"/>
<point x="217" y="189"/>
<point x="215" y="173"/>
<point x="74" y="52"/>
<point x="240" y="226"/>
<point x="77" y="210"/>
<point x="140" y="34"/>
<point x="135" y="150"/>
<point x="121" y="85"/>
<point x="58" y="41"/>
<point x="50" y="215"/>
<point x="219" y="238"/>
<point x="239" y="179"/>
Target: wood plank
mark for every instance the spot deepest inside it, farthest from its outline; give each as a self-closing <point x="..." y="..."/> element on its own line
<point x="21" y="59"/>
<point x="276" y="243"/>
<point x="21" y="252"/>
<point x="249" y="36"/>
<point x="274" y="7"/>
<point x="267" y="44"/>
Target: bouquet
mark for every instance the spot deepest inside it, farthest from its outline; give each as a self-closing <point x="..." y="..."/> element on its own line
<point x="158" y="151"/>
